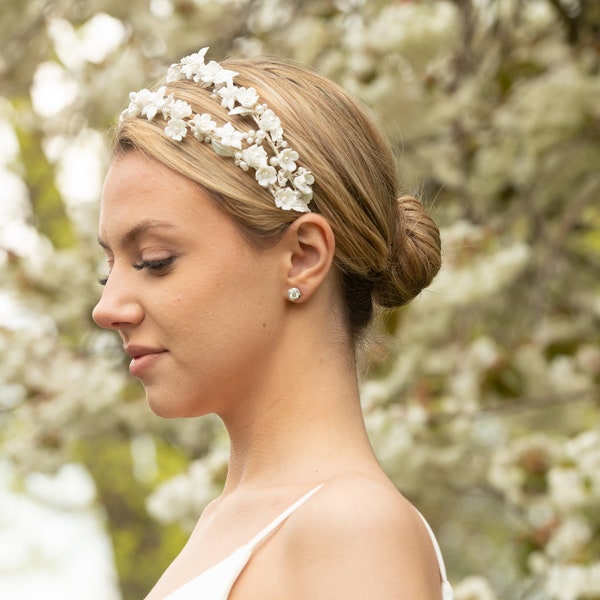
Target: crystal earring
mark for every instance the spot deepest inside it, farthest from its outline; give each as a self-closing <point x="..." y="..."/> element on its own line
<point x="294" y="294"/>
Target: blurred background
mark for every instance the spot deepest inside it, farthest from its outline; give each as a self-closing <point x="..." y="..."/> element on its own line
<point x="482" y="398"/>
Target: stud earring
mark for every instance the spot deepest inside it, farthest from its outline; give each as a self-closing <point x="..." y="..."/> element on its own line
<point x="294" y="294"/>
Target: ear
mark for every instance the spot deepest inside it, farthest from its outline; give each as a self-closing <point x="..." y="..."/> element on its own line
<point x="310" y="247"/>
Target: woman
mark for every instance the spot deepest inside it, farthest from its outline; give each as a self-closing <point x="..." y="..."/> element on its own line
<point x="250" y="221"/>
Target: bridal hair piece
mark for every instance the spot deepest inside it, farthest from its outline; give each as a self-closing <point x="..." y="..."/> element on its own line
<point x="290" y="185"/>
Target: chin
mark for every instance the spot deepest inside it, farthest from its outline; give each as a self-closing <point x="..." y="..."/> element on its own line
<point x="171" y="408"/>
<point x="162" y="408"/>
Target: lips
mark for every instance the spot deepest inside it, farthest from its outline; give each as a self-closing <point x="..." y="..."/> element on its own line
<point x="142" y="358"/>
<point x="137" y="351"/>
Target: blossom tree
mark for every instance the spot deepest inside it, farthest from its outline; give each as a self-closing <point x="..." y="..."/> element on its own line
<point x="481" y="398"/>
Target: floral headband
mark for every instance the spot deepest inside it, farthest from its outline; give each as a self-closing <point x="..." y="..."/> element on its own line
<point x="290" y="185"/>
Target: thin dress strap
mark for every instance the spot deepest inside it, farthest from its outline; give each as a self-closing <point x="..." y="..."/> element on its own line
<point x="447" y="593"/>
<point x="259" y="537"/>
<point x="216" y="582"/>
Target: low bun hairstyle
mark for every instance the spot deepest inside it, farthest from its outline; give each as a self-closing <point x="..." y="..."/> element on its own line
<point x="387" y="249"/>
<point x="414" y="257"/>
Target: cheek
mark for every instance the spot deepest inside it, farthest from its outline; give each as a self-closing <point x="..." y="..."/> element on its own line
<point x="178" y="301"/>
<point x="174" y="303"/>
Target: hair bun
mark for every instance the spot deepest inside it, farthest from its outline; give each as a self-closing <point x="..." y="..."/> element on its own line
<point x="414" y="256"/>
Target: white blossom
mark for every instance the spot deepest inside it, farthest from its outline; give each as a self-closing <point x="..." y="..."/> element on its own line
<point x="208" y="73"/>
<point x="193" y="64"/>
<point x="271" y="123"/>
<point x="179" y="110"/>
<point x="266" y="176"/>
<point x="303" y="182"/>
<point x="176" y="129"/>
<point x="255" y="156"/>
<point x="287" y="158"/>
<point x="228" y="137"/>
<point x="247" y="97"/>
<point x="287" y="199"/>
<point x="203" y="125"/>
<point x="229" y="95"/>
<point x="148" y="103"/>
<point x="174" y="73"/>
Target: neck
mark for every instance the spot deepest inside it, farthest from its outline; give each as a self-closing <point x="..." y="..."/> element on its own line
<point x="307" y="429"/>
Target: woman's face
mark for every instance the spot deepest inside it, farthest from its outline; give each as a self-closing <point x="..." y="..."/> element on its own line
<point x="197" y="307"/>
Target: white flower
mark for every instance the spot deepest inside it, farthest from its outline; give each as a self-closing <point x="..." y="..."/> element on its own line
<point x="287" y="199"/>
<point x="193" y="64"/>
<point x="148" y="103"/>
<point x="208" y="73"/>
<point x="141" y="97"/>
<point x="229" y="95"/>
<point x="266" y="176"/>
<point x="287" y="158"/>
<point x="271" y="123"/>
<point x="179" y="109"/>
<point x="303" y="183"/>
<point x="247" y="97"/>
<point x="203" y="125"/>
<point x="229" y="137"/>
<point x="136" y="101"/>
<point x="150" y="109"/>
<point x="255" y="156"/>
<point x="174" y="74"/>
<point x="176" y="129"/>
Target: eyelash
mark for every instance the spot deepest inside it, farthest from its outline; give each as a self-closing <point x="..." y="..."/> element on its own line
<point x="154" y="265"/>
<point x="151" y="265"/>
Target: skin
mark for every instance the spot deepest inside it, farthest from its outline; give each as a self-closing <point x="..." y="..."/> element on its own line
<point x="281" y="376"/>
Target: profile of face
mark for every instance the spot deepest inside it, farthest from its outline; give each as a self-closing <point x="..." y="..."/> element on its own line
<point x="197" y="306"/>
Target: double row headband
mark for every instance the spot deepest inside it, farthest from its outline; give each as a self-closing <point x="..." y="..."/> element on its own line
<point x="289" y="184"/>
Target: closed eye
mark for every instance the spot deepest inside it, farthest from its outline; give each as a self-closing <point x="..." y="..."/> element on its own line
<point x="154" y="265"/>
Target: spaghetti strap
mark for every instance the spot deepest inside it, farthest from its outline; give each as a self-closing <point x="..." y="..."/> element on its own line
<point x="447" y="593"/>
<point x="216" y="582"/>
<point x="259" y="537"/>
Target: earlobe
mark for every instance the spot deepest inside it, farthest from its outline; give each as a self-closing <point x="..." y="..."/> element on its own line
<point x="311" y="248"/>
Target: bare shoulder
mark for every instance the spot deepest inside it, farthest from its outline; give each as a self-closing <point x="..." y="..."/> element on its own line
<point x="359" y="538"/>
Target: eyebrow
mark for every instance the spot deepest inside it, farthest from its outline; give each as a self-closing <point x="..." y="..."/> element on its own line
<point x="131" y="236"/>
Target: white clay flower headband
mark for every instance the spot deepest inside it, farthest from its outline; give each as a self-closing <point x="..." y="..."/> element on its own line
<point x="290" y="185"/>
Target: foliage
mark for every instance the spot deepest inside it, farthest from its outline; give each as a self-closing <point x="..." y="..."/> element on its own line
<point x="141" y="546"/>
<point x="482" y="398"/>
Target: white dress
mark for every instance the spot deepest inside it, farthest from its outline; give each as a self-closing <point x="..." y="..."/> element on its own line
<point x="216" y="583"/>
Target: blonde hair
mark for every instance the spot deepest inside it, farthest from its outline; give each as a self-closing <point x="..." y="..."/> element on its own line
<point x="387" y="248"/>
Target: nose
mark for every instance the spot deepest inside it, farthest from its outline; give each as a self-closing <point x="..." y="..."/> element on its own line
<point x="118" y="307"/>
